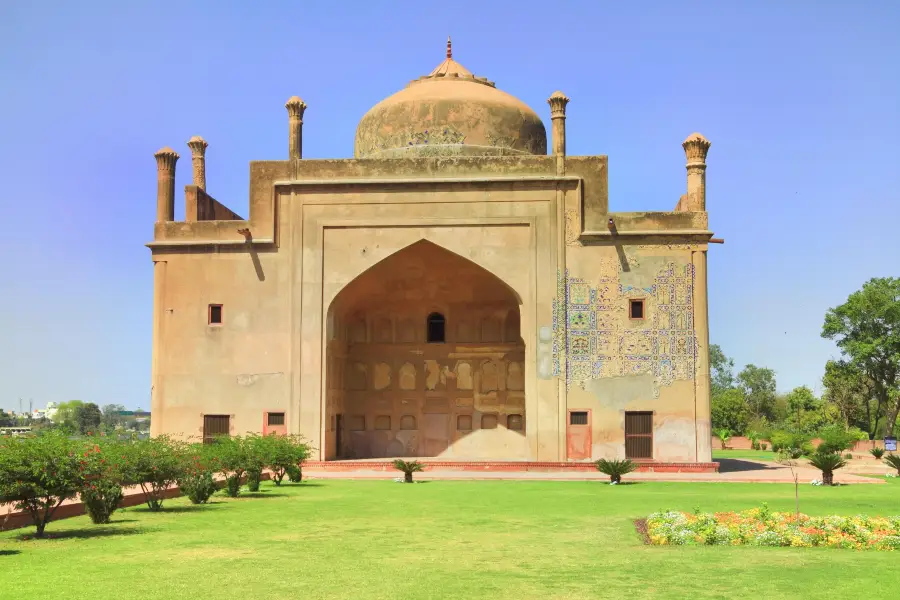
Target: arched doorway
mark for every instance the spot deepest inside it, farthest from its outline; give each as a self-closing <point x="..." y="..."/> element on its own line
<point x="425" y="358"/>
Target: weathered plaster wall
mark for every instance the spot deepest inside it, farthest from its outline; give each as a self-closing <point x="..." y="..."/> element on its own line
<point x="241" y="367"/>
<point x="613" y="364"/>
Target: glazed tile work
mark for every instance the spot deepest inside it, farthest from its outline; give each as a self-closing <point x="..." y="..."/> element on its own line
<point x="594" y="338"/>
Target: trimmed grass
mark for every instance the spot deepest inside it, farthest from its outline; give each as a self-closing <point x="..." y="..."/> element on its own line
<point x="443" y="539"/>
<point x="765" y="455"/>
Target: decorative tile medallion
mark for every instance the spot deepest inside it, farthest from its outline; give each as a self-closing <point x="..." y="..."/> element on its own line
<point x="593" y="339"/>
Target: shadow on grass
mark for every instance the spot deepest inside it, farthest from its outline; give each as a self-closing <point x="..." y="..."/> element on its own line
<point x="144" y="509"/>
<point x="261" y="495"/>
<point x="301" y="484"/>
<point x="10" y="552"/>
<point x="734" y="465"/>
<point x="84" y="534"/>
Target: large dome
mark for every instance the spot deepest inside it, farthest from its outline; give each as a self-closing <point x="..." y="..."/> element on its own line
<point x="446" y="113"/>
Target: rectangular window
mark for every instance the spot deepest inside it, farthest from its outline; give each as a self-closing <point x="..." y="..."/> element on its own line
<point x="578" y="418"/>
<point x="514" y="422"/>
<point x="383" y="423"/>
<point x="275" y="419"/>
<point x="215" y="314"/>
<point x="639" y="435"/>
<point x="636" y="309"/>
<point x="215" y="426"/>
<point x="357" y="423"/>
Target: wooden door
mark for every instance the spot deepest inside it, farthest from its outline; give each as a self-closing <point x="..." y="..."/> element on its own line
<point x="579" y="435"/>
<point x="639" y="435"/>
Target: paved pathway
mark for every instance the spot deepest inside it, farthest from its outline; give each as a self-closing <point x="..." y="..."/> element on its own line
<point x="732" y="470"/>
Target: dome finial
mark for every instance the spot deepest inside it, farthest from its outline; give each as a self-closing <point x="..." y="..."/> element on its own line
<point x="449" y="48"/>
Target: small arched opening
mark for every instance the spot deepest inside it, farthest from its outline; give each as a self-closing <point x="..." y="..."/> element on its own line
<point x="436" y="328"/>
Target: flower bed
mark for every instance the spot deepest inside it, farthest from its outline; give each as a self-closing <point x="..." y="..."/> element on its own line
<point x="760" y="527"/>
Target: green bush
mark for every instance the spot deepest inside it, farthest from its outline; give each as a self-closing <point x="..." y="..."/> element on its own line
<point x="231" y="452"/>
<point x="156" y="464"/>
<point x="254" y="477"/>
<point x="294" y="473"/>
<point x="836" y="438"/>
<point x="102" y="463"/>
<point x="724" y="436"/>
<point x="286" y="453"/>
<point x="791" y="441"/>
<point x="198" y="486"/>
<point x="877" y="452"/>
<point x="197" y="480"/>
<point x="615" y="468"/>
<point x="408" y="468"/>
<point x="893" y="460"/>
<point x="39" y="473"/>
<point x="828" y="463"/>
<point x="101" y="499"/>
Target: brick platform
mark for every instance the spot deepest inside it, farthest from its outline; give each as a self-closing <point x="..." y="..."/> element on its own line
<point x="503" y="466"/>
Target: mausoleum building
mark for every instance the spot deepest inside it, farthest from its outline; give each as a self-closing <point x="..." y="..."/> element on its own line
<point x="458" y="289"/>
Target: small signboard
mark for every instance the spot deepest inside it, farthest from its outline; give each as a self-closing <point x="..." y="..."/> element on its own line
<point x="890" y="444"/>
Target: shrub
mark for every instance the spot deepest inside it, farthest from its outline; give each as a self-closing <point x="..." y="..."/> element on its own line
<point x="37" y="474"/>
<point x="101" y="499"/>
<point x="828" y="464"/>
<point x="724" y="436"/>
<point x="763" y="446"/>
<point x="848" y="456"/>
<point x="198" y="486"/>
<point x="793" y="442"/>
<point x="408" y="468"/>
<point x="156" y="464"/>
<point x="197" y="481"/>
<point x="615" y="468"/>
<point x="877" y="452"/>
<point x="102" y="464"/>
<point x="286" y="453"/>
<point x="232" y="458"/>
<point x="294" y="473"/>
<point x="836" y="438"/>
<point x="893" y="460"/>
<point x="258" y="452"/>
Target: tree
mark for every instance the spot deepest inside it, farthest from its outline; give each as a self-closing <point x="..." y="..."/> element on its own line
<point x="39" y="473"/>
<point x="65" y="416"/>
<point x="867" y="330"/>
<point x="87" y="418"/>
<point x="6" y="419"/>
<point x="112" y="415"/>
<point x="848" y="389"/>
<point x="721" y="370"/>
<point x="729" y="410"/>
<point x="758" y="385"/>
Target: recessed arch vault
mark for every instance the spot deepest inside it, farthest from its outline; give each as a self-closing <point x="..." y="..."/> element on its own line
<point x="381" y="369"/>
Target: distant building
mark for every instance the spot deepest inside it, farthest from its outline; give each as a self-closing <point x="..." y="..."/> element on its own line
<point x="45" y="413"/>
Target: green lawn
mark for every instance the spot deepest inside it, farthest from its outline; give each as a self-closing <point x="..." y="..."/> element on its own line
<point x="464" y="539"/>
<point x="766" y="455"/>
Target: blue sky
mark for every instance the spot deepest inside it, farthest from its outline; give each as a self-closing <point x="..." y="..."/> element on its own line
<point x="800" y="99"/>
